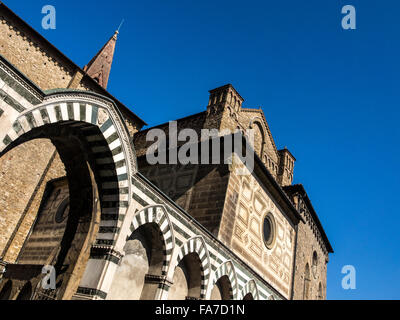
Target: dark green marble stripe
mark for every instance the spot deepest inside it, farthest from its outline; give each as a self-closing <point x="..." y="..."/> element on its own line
<point x="45" y="115"/>
<point x="82" y="112"/>
<point x="139" y="200"/>
<point x="152" y="196"/>
<point x="17" y="87"/>
<point x="112" y="138"/>
<point x="11" y="101"/>
<point x="57" y="111"/>
<point x="7" y="140"/>
<point x="95" y="112"/>
<point x="106" y="125"/>
<point x="70" y="109"/>
<point x="17" y="127"/>
<point x="92" y="292"/>
<point x="105" y="242"/>
<point x="31" y="120"/>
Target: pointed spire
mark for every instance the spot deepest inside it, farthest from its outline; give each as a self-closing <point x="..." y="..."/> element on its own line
<point x="99" y="67"/>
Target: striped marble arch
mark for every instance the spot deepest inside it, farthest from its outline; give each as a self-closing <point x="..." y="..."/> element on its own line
<point x="197" y="245"/>
<point x="98" y="121"/>
<point x="227" y="269"/>
<point x="250" y="287"/>
<point x="157" y="214"/>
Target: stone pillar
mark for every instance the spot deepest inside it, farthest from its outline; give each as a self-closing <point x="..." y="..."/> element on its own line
<point x="155" y="287"/>
<point x="99" y="273"/>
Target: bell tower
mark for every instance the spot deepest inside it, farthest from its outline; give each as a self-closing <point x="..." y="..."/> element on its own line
<point x="99" y="67"/>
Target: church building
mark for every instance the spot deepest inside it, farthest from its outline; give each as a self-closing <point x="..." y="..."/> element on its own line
<point x="85" y="216"/>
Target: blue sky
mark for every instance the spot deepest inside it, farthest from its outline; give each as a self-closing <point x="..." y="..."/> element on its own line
<point x="330" y="95"/>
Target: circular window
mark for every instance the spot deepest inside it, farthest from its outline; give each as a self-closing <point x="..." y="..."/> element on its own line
<point x="62" y="211"/>
<point x="269" y="231"/>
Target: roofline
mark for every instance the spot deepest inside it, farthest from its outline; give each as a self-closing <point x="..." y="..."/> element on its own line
<point x="167" y="123"/>
<point x="22" y="75"/>
<point x="288" y="151"/>
<point x="224" y="87"/>
<point x="294" y="216"/>
<point x="313" y="214"/>
<point x="63" y="56"/>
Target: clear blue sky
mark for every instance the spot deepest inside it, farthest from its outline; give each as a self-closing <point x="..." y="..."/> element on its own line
<point x="331" y="96"/>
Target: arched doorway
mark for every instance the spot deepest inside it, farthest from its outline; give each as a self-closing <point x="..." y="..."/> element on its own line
<point x="141" y="267"/>
<point x="187" y="279"/>
<point x="222" y="289"/>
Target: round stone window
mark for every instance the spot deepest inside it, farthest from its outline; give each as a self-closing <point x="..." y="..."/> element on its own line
<point x="269" y="231"/>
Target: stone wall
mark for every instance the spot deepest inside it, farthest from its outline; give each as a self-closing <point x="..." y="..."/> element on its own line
<point x="24" y="172"/>
<point x="306" y="246"/>
<point x="311" y="255"/>
<point x="198" y="189"/>
<point x="39" y="64"/>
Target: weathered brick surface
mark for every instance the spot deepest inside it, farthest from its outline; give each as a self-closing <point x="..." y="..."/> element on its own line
<point x="45" y="65"/>
<point x="306" y="245"/>
<point x="24" y="172"/>
<point x="229" y="212"/>
<point x="208" y="197"/>
<point x="199" y="189"/>
<point x="39" y="65"/>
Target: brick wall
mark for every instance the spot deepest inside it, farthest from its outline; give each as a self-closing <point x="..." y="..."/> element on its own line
<point x="45" y="69"/>
<point x="24" y="172"/>
<point x="199" y="189"/>
<point x="306" y="245"/>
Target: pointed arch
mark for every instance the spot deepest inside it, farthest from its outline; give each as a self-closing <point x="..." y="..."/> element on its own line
<point x="157" y="214"/>
<point x="197" y="245"/>
<point x="250" y="287"/>
<point x="227" y="268"/>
